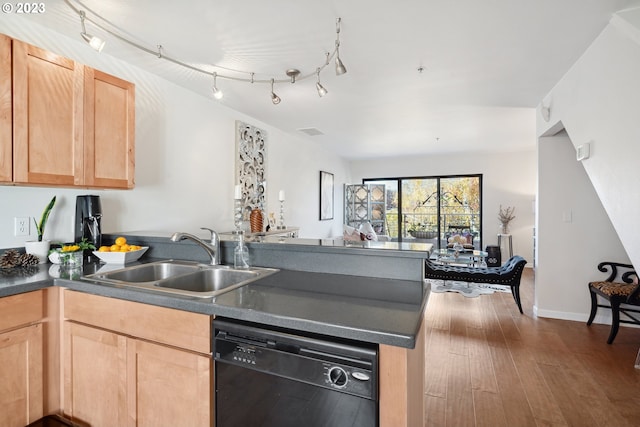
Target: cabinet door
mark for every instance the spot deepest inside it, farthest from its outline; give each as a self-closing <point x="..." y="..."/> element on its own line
<point x="6" y="108"/>
<point x="47" y="117"/>
<point x="95" y="369"/>
<point x="169" y="387"/>
<point x="21" y="395"/>
<point x="109" y="130"/>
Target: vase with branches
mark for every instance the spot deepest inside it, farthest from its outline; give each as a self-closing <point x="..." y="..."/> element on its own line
<point x="505" y="216"/>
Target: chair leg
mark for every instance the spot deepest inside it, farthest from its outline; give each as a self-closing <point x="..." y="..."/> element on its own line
<point x="615" y="321"/>
<point x="515" y="291"/>
<point x="594" y="307"/>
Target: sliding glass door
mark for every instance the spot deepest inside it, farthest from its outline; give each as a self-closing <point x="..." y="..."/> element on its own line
<point x="434" y="209"/>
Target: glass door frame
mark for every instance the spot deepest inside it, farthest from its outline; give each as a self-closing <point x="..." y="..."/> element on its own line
<point x="438" y="179"/>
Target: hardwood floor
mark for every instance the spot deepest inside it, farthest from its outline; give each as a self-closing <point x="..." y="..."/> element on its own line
<point x="488" y="365"/>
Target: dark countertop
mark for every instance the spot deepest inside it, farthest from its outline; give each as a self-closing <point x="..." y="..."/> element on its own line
<point x="24" y="279"/>
<point x="382" y="311"/>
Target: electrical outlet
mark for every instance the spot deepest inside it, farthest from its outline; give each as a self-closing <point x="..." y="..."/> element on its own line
<point x="21" y="226"/>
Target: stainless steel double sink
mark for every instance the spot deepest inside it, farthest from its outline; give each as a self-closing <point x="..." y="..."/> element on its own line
<point x="183" y="278"/>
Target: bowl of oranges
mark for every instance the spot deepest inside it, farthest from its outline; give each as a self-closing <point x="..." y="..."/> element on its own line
<point x="120" y="252"/>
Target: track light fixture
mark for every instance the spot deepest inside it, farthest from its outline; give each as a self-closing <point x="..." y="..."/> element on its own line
<point x="340" y="68"/>
<point x="95" y="42"/>
<point x="274" y="98"/>
<point x="321" y="90"/>
<point x="293" y="75"/>
<point x="217" y="93"/>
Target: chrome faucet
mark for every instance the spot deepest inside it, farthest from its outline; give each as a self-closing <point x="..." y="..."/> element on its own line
<point x="212" y="248"/>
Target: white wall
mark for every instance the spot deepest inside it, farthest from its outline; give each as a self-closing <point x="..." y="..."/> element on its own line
<point x="509" y="179"/>
<point x="185" y="146"/>
<point x="598" y="102"/>
<point x="575" y="234"/>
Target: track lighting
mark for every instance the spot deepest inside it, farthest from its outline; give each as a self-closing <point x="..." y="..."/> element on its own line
<point x="293" y="74"/>
<point x="274" y="98"/>
<point x="95" y="42"/>
<point x="217" y="93"/>
<point x="321" y="90"/>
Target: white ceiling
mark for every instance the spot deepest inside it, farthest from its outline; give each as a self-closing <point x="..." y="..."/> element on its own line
<point x="487" y="64"/>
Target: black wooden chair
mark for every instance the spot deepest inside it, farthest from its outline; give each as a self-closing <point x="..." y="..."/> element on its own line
<point x="508" y="274"/>
<point x="616" y="293"/>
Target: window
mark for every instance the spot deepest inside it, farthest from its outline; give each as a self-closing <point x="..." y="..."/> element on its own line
<point x="433" y="209"/>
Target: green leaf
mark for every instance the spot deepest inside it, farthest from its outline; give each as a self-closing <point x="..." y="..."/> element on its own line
<point x="43" y="220"/>
<point x="84" y="245"/>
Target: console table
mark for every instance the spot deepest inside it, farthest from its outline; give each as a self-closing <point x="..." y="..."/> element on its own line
<point x="257" y="237"/>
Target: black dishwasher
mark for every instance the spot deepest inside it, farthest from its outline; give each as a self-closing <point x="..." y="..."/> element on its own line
<point x="279" y="378"/>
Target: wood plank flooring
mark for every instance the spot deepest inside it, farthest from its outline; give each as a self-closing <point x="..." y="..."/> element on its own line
<point x="488" y="365"/>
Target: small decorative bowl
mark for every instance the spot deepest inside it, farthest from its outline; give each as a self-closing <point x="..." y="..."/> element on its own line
<point x="121" y="257"/>
<point x="54" y="257"/>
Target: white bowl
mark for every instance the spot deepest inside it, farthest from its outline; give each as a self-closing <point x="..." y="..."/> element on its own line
<point x="121" y="257"/>
<point x="54" y="257"/>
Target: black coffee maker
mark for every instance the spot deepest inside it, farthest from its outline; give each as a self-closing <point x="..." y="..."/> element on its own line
<point x="88" y="217"/>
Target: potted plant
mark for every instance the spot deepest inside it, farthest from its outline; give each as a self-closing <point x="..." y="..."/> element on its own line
<point x="70" y="255"/>
<point x="40" y="247"/>
<point x="422" y="231"/>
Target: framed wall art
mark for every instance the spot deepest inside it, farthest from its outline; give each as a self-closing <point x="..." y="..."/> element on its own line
<point x="326" y="195"/>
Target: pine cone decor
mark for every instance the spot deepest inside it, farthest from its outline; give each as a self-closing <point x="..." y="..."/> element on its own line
<point x="28" y="259"/>
<point x="18" y="272"/>
<point x="10" y="259"/>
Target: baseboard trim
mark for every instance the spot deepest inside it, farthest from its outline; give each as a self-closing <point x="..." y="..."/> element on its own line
<point x="564" y="315"/>
<point x="603" y="317"/>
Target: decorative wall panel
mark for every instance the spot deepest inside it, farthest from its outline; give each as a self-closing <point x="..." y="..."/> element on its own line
<point x="365" y="203"/>
<point x="251" y="166"/>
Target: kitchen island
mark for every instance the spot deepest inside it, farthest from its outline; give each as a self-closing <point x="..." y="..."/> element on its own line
<point x="383" y="311"/>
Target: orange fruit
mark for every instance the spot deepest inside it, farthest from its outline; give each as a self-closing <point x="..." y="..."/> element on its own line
<point x="125" y="248"/>
<point x="104" y="249"/>
<point x="115" y="248"/>
<point x="121" y="241"/>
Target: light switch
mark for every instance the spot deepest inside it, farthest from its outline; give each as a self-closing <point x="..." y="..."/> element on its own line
<point x="567" y="216"/>
<point x="583" y="151"/>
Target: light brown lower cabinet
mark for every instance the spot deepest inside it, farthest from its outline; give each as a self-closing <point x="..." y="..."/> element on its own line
<point x="112" y="376"/>
<point x="401" y="384"/>
<point x="21" y="359"/>
<point x="111" y="379"/>
<point x="21" y="376"/>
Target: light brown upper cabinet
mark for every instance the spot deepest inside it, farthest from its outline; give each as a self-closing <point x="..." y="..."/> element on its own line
<point x="72" y="125"/>
<point x="109" y="123"/>
<point x="47" y="117"/>
<point x="6" y="161"/>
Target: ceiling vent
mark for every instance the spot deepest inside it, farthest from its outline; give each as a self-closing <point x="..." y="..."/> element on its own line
<point x="311" y="131"/>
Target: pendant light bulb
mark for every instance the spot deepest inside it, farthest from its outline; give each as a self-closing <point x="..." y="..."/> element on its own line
<point x="217" y="93"/>
<point x="321" y="90"/>
<point x="95" y="42"/>
<point x="274" y="98"/>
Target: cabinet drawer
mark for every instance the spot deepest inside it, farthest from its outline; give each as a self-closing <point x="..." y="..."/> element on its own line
<point x="21" y="309"/>
<point x="183" y="329"/>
